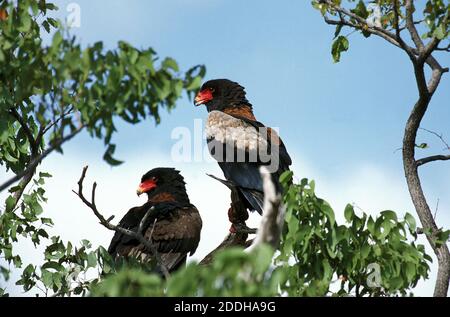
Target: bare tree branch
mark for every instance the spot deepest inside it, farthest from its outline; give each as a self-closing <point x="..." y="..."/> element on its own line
<point x="391" y="40"/>
<point x="54" y="122"/>
<point x="272" y="221"/>
<point x="432" y="158"/>
<point x="134" y="234"/>
<point x="403" y="45"/>
<point x="445" y="49"/>
<point x="410" y="25"/>
<point x="26" y="129"/>
<point x="344" y="12"/>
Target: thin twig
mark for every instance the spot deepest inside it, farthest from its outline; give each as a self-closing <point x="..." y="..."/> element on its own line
<point x="436" y="209"/>
<point x="445" y="49"/>
<point x="54" y="122"/>
<point x="26" y="129"/>
<point x="440" y="136"/>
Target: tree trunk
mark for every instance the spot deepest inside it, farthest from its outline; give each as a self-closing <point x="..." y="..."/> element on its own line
<point x="418" y="197"/>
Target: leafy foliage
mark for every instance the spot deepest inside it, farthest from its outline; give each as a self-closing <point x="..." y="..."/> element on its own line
<point x="51" y="91"/>
<point x="315" y="253"/>
<point x="322" y="248"/>
<point x="44" y="83"/>
<point x="380" y="14"/>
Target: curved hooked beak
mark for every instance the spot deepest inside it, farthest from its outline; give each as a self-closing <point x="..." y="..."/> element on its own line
<point x="145" y="187"/>
<point x="203" y="96"/>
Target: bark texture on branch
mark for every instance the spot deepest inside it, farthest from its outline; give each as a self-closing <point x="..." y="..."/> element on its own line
<point x="272" y="221"/>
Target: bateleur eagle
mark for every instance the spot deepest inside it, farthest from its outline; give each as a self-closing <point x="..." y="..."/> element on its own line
<point x="239" y="142"/>
<point x="173" y="225"/>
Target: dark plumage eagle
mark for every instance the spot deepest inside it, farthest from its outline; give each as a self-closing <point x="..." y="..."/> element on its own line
<point x="173" y="226"/>
<point x="239" y="142"/>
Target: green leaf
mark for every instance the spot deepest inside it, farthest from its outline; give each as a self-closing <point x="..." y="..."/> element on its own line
<point x="170" y="63"/>
<point x="410" y="271"/>
<point x="108" y="156"/>
<point x="53" y="265"/>
<point x="134" y="54"/>
<point x="286" y="177"/>
<point x="25" y="23"/>
<point x="92" y="260"/>
<point x="422" y="146"/>
<point x="46" y="26"/>
<point x="389" y="214"/>
<point x="361" y="10"/>
<point x="410" y="221"/>
<point x="44" y="175"/>
<point x="51" y="6"/>
<point x="371" y="225"/>
<point x="10" y="202"/>
<point x="86" y="243"/>
<point x="194" y="84"/>
<point x="53" y="22"/>
<point x="340" y="45"/>
<point x="46" y="278"/>
<point x="328" y="211"/>
<point x="29" y="269"/>
<point x="47" y="221"/>
<point x="57" y="39"/>
<point x="440" y="33"/>
<point x="349" y="213"/>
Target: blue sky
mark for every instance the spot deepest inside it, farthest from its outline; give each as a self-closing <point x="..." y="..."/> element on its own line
<point x="341" y="122"/>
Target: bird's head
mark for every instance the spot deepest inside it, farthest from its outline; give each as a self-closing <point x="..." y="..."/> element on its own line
<point x="162" y="180"/>
<point x="219" y="94"/>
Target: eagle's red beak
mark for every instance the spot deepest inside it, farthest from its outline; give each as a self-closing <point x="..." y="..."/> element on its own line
<point x="146" y="186"/>
<point x="202" y="97"/>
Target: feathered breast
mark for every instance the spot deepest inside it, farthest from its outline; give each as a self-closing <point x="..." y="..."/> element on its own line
<point x="232" y="131"/>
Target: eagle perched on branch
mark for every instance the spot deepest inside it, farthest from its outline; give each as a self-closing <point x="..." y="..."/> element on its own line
<point x="239" y="142"/>
<point x="173" y="225"/>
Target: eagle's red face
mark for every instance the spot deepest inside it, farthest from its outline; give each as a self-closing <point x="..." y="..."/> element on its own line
<point x="204" y="96"/>
<point x="146" y="186"/>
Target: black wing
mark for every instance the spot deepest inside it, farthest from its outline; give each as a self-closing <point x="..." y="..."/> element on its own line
<point x="174" y="236"/>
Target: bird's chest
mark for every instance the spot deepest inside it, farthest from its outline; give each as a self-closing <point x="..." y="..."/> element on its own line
<point x="223" y="129"/>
